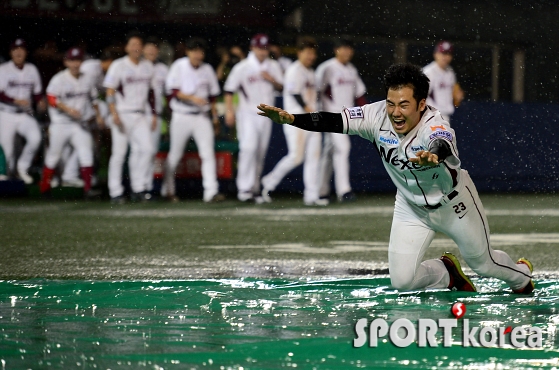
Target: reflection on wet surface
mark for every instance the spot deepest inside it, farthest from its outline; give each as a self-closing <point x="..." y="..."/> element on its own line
<point x="252" y="323"/>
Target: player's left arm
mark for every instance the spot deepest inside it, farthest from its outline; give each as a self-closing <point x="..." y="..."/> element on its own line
<point x="317" y="122"/>
<point x="275" y="77"/>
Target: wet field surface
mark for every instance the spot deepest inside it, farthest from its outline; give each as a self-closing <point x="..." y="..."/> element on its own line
<point x="90" y="285"/>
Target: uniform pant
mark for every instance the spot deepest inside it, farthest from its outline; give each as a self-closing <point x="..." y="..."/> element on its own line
<point x="198" y="126"/>
<point x="301" y="145"/>
<point x="253" y="132"/>
<point x="25" y="125"/>
<point x="463" y="220"/>
<point x="60" y="134"/>
<point x="335" y="157"/>
<point x="70" y="164"/>
<point x="155" y="137"/>
<point x="137" y="127"/>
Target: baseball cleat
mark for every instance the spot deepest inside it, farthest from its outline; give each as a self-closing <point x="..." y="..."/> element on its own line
<point x="529" y="288"/>
<point x="245" y="197"/>
<point x="118" y="200"/>
<point x="318" y="202"/>
<point x="347" y="197"/>
<point x="173" y="198"/>
<point x="216" y="198"/>
<point x="72" y="183"/>
<point x="266" y="195"/>
<point x="458" y="280"/>
<point x="24" y="176"/>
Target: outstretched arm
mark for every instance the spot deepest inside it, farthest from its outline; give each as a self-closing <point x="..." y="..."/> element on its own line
<point x="317" y="121"/>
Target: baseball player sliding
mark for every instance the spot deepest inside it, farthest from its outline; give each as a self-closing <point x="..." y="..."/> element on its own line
<point x="70" y="95"/>
<point x="299" y="96"/>
<point x="20" y="87"/>
<point x="130" y="83"/>
<point x="255" y="78"/>
<point x="419" y="152"/>
<point x="193" y="87"/>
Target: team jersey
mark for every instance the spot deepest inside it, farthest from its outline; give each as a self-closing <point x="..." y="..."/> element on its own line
<point x="201" y="82"/>
<point x="93" y="70"/>
<point x="299" y="80"/>
<point x="19" y="84"/>
<point x="420" y="185"/>
<point x="339" y="85"/>
<point x="77" y="93"/>
<point x="132" y="83"/>
<point x="440" y="87"/>
<point x="246" y="77"/>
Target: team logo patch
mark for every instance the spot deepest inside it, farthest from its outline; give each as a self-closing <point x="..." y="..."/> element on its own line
<point x="438" y="128"/>
<point x="389" y="140"/>
<point x="355" y="112"/>
<point x="441" y="134"/>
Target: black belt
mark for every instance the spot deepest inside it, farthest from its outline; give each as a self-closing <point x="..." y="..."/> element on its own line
<point x="450" y="196"/>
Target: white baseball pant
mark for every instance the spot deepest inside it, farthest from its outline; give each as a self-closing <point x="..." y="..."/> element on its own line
<point x="199" y="127"/>
<point x="155" y="137"/>
<point x="253" y="132"/>
<point x="60" y="134"/>
<point x="70" y="163"/>
<point x="12" y="124"/>
<point x="463" y="220"/>
<point x="335" y="156"/>
<point x="301" y="145"/>
<point x="137" y="133"/>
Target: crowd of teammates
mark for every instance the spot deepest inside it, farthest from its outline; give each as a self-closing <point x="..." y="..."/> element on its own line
<point x="127" y="95"/>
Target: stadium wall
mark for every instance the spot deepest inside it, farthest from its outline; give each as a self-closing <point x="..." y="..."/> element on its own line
<point x="505" y="147"/>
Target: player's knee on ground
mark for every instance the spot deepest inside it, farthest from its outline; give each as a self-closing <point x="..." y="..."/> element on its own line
<point x="402" y="281"/>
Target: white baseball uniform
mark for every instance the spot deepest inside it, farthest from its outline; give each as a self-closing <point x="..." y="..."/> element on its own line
<point x="441" y="87"/>
<point x="253" y="131"/>
<point x="440" y="198"/>
<point x="299" y="80"/>
<point x="79" y="94"/>
<point x="132" y="83"/>
<point x="160" y="74"/>
<point x="191" y="120"/>
<point x="21" y="84"/>
<point x="339" y="85"/>
<point x="92" y="69"/>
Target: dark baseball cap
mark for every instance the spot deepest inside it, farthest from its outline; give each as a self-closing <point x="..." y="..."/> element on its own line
<point x="18" y="43"/>
<point x="74" y="54"/>
<point x="260" y="41"/>
<point x="444" y="47"/>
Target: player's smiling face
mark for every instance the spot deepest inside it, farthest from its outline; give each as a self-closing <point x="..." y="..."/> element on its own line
<point x="403" y="110"/>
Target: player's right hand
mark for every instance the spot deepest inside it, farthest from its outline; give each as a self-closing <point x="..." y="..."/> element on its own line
<point x="22" y="103"/>
<point x="199" y="101"/>
<point x="276" y="114"/>
<point x="75" y="114"/>
<point x="118" y="122"/>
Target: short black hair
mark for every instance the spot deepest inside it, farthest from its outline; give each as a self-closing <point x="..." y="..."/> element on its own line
<point x="344" y="41"/>
<point x="134" y="34"/>
<point x="196" y="43"/>
<point x="403" y="74"/>
<point x="306" y="42"/>
<point x="107" y="54"/>
<point x="152" y="40"/>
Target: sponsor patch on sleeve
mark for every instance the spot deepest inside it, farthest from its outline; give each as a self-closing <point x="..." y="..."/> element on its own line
<point x="442" y="135"/>
<point x="355" y="112"/>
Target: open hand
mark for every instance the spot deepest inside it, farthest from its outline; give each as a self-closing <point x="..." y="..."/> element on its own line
<point x="425" y="158"/>
<point x="276" y="114"/>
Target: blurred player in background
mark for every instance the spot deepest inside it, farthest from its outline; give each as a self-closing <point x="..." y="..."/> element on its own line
<point x="151" y="53"/>
<point x="129" y="83"/>
<point x="20" y="88"/>
<point x="94" y="69"/>
<point x="71" y="96"/>
<point x="444" y="92"/>
<point x="299" y="96"/>
<point x="277" y="54"/>
<point x="193" y="87"/>
<point x="339" y="86"/>
<point x="255" y="78"/>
